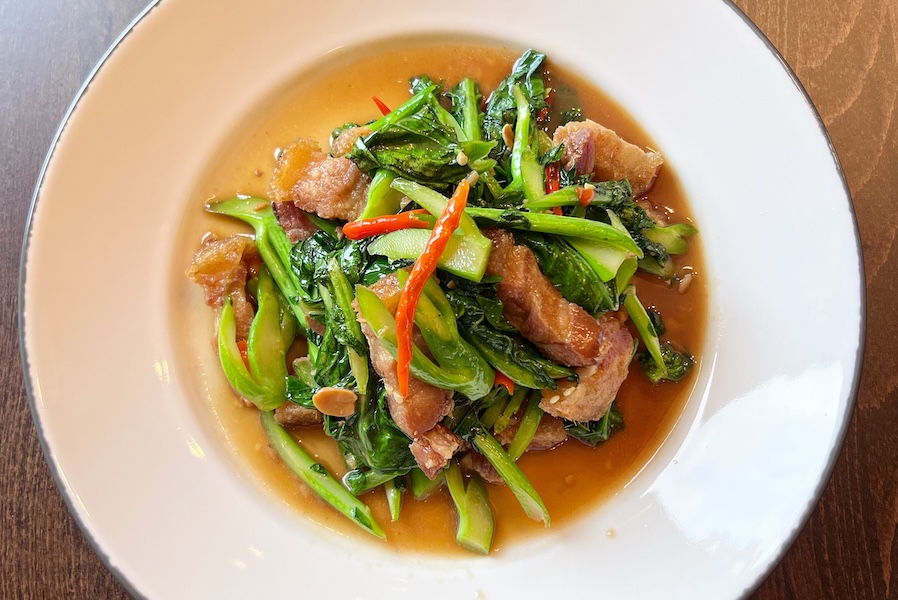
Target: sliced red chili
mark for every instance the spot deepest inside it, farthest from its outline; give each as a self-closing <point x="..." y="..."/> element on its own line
<point x="356" y="230"/>
<point x="383" y="108"/>
<point x="503" y="380"/>
<point x="553" y="177"/>
<point x="423" y="268"/>
<point x="585" y="195"/>
<point x="242" y="345"/>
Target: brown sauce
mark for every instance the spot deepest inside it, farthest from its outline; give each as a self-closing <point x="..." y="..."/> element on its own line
<point x="571" y="479"/>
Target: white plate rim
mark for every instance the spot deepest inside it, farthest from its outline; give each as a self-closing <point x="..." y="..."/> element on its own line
<point x="66" y="492"/>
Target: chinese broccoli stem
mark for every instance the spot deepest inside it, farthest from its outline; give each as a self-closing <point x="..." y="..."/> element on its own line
<point x="644" y="326"/>
<point x="266" y="344"/>
<point x="394" y="499"/>
<point x="316" y="476"/>
<point x="510" y="409"/>
<point x="235" y="370"/>
<point x="527" y="427"/>
<point x="272" y="242"/>
<point x="515" y="479"/>
<point x="475" y="516"/>
<point x="422" y="486"/>
<point x="557" y="224"/>
<point x="527" y="174"/>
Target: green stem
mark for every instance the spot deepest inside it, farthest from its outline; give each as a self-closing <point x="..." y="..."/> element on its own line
<point x="317" y="477"/>
<point x="422" y="486"/>
<point x="644" y="326"/>
<point x="527" y="428"/>
<point x="394" y="499"/>
<point x="234" y="369"/>
<point x="557" y="224"/>
<point x="515" y="479"/>
<point x="476" y="524"/>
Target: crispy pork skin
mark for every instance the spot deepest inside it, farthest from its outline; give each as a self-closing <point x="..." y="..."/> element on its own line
<point x="294" y="221"/>
<point x="562" y="330"/>
<point x="590" y="398"/>
<point x="331" y="187"/>
<point x="343" y="143"/>
<point x="221" y="267"/>
<point x="549" y="433"/>
<point x="433" y="449"/>
<point x="592" y="148"/>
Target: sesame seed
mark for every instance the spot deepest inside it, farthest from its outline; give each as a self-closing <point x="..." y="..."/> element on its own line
<point x="462" y="158"/>
<point x="685" y="282"/>
<point x="588" y="371"/>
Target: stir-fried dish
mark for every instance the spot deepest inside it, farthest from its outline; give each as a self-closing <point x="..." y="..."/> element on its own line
<point x="444" y="289"/>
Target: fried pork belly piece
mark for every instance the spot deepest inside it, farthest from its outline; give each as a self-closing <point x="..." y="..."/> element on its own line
<point x="434" y="448"/>
<point x="294" y="221"/>
<point x="420" y="412"/>
<point x="592" y="148"/>
<point x="331" y="187"/>
<point x="343" y="143"/>
<point x="221" y="267"/>
<point x="549" y="433"/>
<point x="291" y="414"/>
<point x="562" y="330"/>
<point x="590" y="398"/>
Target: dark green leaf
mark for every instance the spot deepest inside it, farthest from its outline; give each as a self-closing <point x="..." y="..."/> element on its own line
<point x="593" y="433"/>
<point x="500" y="108"/>
<point x="569" y="272"/>
<point x="371" y="439"/>
<point x="678" y="364"/>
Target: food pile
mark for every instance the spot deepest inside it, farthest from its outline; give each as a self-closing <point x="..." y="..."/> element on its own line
<point x="445" y="288"/>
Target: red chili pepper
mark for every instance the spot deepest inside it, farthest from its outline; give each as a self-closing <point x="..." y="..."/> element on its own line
<point x="384" y="109"/>
<point x="423" y="268"/>
<point x="356" y="230"/>
<point x="556" y="210"/>
<point x="503" y="380"/>
<point x="585" y="195"/>
<point x="242" y="346"/>
<point x="553" y="177"/>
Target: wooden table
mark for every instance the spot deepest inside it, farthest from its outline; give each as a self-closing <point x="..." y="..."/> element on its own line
<point x="845" y="52"/>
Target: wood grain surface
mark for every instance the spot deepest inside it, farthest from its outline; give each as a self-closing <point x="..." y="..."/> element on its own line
<point x="845" y="53"/>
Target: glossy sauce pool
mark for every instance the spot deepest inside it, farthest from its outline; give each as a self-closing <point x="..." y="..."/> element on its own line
<point x="572" y="478"/>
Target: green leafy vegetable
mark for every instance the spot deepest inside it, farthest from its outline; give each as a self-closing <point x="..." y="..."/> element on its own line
<point x="420" y="141"/>
<point x="676" y="364"/>
<point x="501" y="107"/>
<point x="593" y="433"/>
<point x="570" y="272"/>
<point x="317" y="478"/>
<point x="472" y="378"/>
